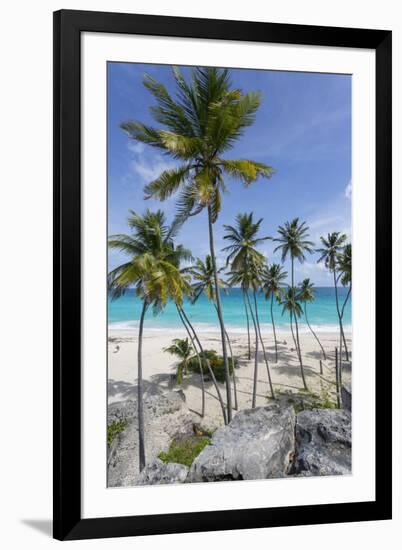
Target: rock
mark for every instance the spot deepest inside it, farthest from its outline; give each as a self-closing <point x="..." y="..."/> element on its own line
<point x="166" y="417"/>
<point x="155" y="404"/>
<point x="256" y="444"/>
<point x="323" y="443"/>
<point x="159" y="473"/>
<point x="346" y="396"/>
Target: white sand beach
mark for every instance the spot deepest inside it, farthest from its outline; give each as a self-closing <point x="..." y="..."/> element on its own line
<point x="159" y="367"/>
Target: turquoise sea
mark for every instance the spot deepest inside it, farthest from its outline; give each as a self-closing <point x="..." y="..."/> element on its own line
<point x="124" y="313"/>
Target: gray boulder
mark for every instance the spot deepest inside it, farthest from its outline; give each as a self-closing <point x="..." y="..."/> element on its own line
<point x="256" y="444"/>
<point x="155" y="404"/>
<point x="346" y="396"/>
<point x="166" y="417"/>
<point x="159" y="473"/>
<point x="323" y="443"/>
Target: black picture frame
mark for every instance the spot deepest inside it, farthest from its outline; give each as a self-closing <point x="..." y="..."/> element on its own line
<point x="68" y="26"/>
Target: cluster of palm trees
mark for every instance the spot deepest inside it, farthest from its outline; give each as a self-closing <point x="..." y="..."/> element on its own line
<point x="197" y="128"/>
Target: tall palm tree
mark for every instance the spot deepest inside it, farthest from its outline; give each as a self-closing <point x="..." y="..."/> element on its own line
<point x="248" y="277"/>
<point x="344" y="261"/>
<point x="293" y="239"/>
<point x="152" y="270"/>
<point x="243" y="238"/>
<point x="181" y="348"/>
<point x="200" y="352"/>
<point x="243" y="279"/>
<point x="307" y="294"/>
<point x="272" y="278"/>
<point x="203" y="275"/>
<point x="197" y="128"/>
<point x="247" y="261"/>
<point x="291" y="304"/>
<point x="332" y="246"/>
<point x="293" y="242"/>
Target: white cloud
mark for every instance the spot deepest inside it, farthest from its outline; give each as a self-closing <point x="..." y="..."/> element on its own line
<point x="146" y="164"/>
<point x="317" y="272"/>
<point x="348" y="190"/>
<point x="136" y="147"/>
<point x="148" y="170"/>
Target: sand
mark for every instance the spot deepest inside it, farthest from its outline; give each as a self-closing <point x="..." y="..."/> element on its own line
<point x="158" y="368"/>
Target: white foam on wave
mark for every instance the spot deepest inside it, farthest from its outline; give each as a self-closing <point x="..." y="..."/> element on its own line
<point x="207" y="327"/>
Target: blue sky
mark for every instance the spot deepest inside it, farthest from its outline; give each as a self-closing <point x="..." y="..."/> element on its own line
<point x="302" y="129"/>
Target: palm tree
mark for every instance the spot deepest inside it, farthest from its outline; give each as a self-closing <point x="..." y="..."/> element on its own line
<point x="203" y="275"/>
<point x="255" y="288"/>
<point x="181" y="348"/>
<point x="272" y="278"/>
<point x="200" y="352"/>
<point x="291" y="304"/>
<point x="344" y="261"/>
<point x="198" y="127"/>
<point x="307" y="294"/>
<point x="247" y="261"/>
<point x="293" y="239"/>
<point x="152" y="270"/>
<point x="329" y="254"/>
<point x="243" y="239"/>
<point x="243" y="279"/>
<point x="248" y="277"/>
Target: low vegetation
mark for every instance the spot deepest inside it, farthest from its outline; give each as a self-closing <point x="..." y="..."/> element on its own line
<point x="116" y="427"/>
<point x="303" y="400"/>
<point x="185" y="451"/>
<point x="216" y="362"/>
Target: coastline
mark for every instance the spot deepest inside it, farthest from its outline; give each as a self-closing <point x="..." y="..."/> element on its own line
<point x="159" y="368"/>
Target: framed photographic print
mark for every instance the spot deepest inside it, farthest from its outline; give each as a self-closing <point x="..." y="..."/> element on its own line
<point x="211" y="179"/>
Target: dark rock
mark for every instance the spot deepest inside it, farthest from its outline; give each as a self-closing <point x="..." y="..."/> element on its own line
<point x="159" y="473"/>
<point x="323" y="443"/>
<point x="257" y="444"/>
<point x="346" y="396"/>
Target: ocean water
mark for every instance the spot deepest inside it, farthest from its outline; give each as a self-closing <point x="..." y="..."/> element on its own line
<point x="124" y="313"/>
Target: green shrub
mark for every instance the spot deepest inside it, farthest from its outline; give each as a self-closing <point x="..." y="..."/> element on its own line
<point x="116" y="427"/>
<point x="216" y="362"/>
<point x="184" y="452"/>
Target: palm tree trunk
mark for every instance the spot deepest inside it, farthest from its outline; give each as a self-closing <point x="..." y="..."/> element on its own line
<point x="294" y="338"/>
<point x="262" y="345"/>
<point x="211" y="372"/>
<point x="344" y="343"/>
<point x="341" y="335"/>
<point x="346" y="300"/>
<point x="255" y="355"/>
<point x="236" y="404"/>
<point x="232" y="358"/>
<point x="291" y="313"/>
<point x="342" y="312"/>
<point x="314" y="334"/>
<point x="300" y="355"/>
<point x="291" y="328"/>
<point x="220" y="317"/>
<point x="248" y="326"/>
<point x="273" y="326"/>
<point x="199" y="361"/>
<point x="140" y="405"/>
<point x="293" y="271"/>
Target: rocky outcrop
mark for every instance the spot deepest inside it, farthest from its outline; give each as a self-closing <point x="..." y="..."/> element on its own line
<point x="166" y="417"/>
<point x="346" y="396"/>
<point x="159" y="473"/>
<point x="257" y="444"/>
<point x="323" y="443"/>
